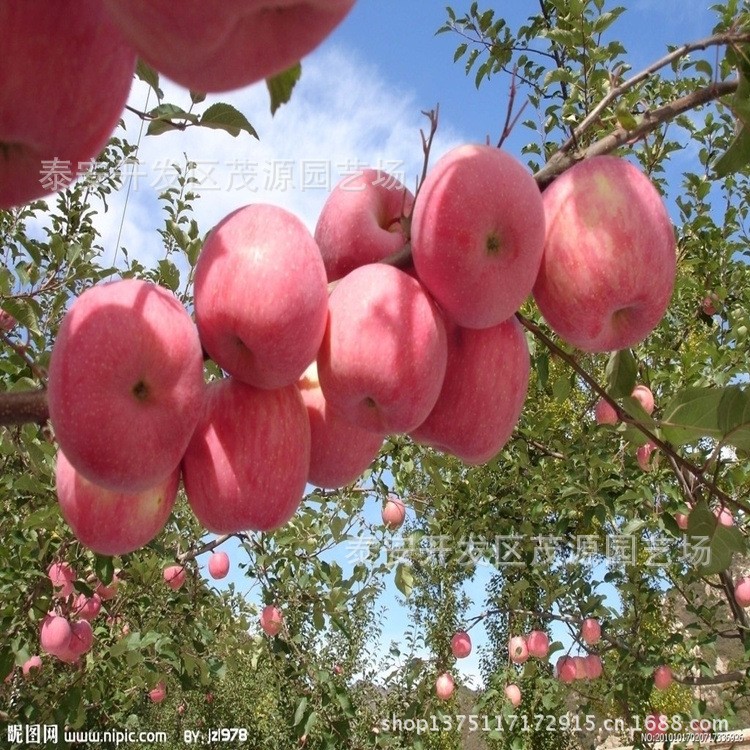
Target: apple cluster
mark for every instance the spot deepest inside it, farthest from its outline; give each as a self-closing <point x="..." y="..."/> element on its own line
<point x="79" y="57"/>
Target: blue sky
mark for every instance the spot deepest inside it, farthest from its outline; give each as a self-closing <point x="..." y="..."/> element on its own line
<point x="358" y="104"/>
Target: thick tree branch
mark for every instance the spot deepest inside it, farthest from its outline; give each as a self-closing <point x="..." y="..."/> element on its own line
<point x="22" y="407"/>
<point x="717" y="679"/>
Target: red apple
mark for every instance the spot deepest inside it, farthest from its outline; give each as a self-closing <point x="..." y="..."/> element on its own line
<point x="113" y="522"/>
<point x="7" y="321"/>
<point x="662" y="677"/>
<point x="87" y="608"/>
<point x="580" y="665"/>
<point x="513" y="694"/>
<point x="393" y="513"/>
<point x="742" y="592"/>
<point x="261" y="298"/>
<point x="537" y="642"/>
<point x="444" y="686"/>
<point x="461" y="644"/>
<point x="591" y="631"/>
<point x="519" y="651"/>
<point x="383" y="358"/>
<point x="54" y="633"/>
<point x="709" y="304"/>
<point x="724" y="516"/>
<point x="609" y="258"/>
<point x="361" y="221"/>
<point x="125" y="384"/>
<point x="338" y="669"/>
<point x="643" y="455"/>
<point x="65" y="79"/>
<point x="108" y="592"/>
<point x="218" y="565"/>
<point x="592" y="666"/>
<point x="645" y="398"/>
<point x="339" y="451"/>
<point x="61" y="576"/>
<point x="478" y="234"/>
<point x="81" y="639"/>
<point x="174" y="576"/>
<point x="483" y="392"/>
<point x="33" y="662"/>
<point x="209" y="47"/>
<point x="682" y="520"/>
<point x="271" y="620"/>
<point x="158" y="693"/>
<point x="605" y="413"/>
<point x="566" y="669"/>
<point x="246" y="466"/>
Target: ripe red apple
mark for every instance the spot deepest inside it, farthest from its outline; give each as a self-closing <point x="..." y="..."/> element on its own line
<point x="519" y="651"/>
<point x="81" y="641"/>
<point x="360" y="222"/>
<point x="271" y="620"/>
<point x="158" y="693"/>
<point x="383" y="358"/>
<point x="7" y="321"/>
<point x="478" y="234"/>
<point x="393" y="513"/>
<point x="207" y="47"/>
<point x="591" y="631"/>
<point x="643" y="395"/>
<point x="461" y="644"/>
<point x="174" y="576"/>
<point x="724" y="516"/>
<point x="444" y="686"/>
<point x="682" y="520"/>
<point x="87" y="607"/>
<point x="339" y="451"/>
<point x="537" y="642"/>
<point x="33" y="662"/>
<point x="580" y="664"/>
<point x="113" y="522"/>
<point x="125" y="384"/>
<point x="54" y="633"/>
<point x="513" y="694"/>
<point x="592" y="666"/>
<point x="709" y="304"/>
<point x="65" y="79"/>
<point x="247" y="463"/>
<point x="261" y="298"/>
<point x="605" y="413"/>
<point x="483" y="392"/>
<point x="61" y="575"/>
<point x="662" y="677"/>
<point x="609" y="258"/>
<point x="218" y="565"/>
<point x="108" y="592"/>
<point x="742" y="592"/>
<point x="566" y="669"/>
<point x="338" y="669"/>
<point x="643" y="455"/>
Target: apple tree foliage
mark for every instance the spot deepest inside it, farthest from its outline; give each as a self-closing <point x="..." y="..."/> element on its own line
<point x="519" y="543"/>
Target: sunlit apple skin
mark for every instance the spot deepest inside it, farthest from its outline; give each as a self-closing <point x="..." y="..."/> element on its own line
<point x="384" y="353"/>
<point x="174" y="576"/>
<point x="643" y="455"/>
<point x="61" y="575"/>
<point x="644" y="396"/>
<point x="566" y="669"/>
<point x="271" y="620"/>
<point x="209" y="47"/>
<point x="54" y="633"/>
<point x="247" y="464"/>
<point x="513" y="694"/>
<point x="742" y="592"/>
<point x="158" y="693"/>
<point x="537" y="643"/>
<point x="393" y="513"/>
<point x="518" y="650"/>
<point x="662" y="677"/>
<point x="444" y="686"/>
<point x="461" y="644"/>
<point x="483" y="392"/>
<point x="609" y="262"/>
<point x="218" y="565"/>
<point x="340" y="452"/>
<point x="477" y="234"/>
<point x="360" y="221"/>
<point x="87" y="607"/>
<point x="125" y="384"/>
<point x="605" y="413"/>
<point x="113" y="523"/>
<point x="33" y="662"/>
<point x="261" y="298"/>
<point x="591" y="631"/>
<point x="65" y="79"/>
<point x="593" y="666"/>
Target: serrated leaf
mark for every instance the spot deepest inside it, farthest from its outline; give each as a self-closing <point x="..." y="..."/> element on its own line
<point x="733" y="417"/>
<point x="222" y="116"/>
<point x="625" y="118"/>
<point x="280" y="86"/>
<point x="23" y="312"/>
<point x="460" y="51"/>
<point x="300" y="712"/>
<point x="692" y="414"/>
<point x="621" y="373"/>
<point x="404" y="579"/>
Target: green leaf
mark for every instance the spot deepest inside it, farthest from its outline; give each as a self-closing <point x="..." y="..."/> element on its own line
<point x="621" y="373"/>
<point x="150" y="76"/>
<point x="221" y="116"/>
<point x="733" y="416"/>
<point x="736" y="156"/>
<point x="280" y="86"/>
<point x="705" y="536"/>
<point x="300" y="712"/>
<point x="692" y="414"/>
<point x="460" y="51"/>
<point x="23" y="312"/>
<point x="404" y="579"/>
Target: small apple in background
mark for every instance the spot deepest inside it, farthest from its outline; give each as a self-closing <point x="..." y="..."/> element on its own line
<point x="54" y="633"/>
<point x="518" y="650"/>
<point x="109" y="591"/>
<point x="643" y="455"/>
<point x="681" y="519"/>
<point x="513" y="694"/>
<point x="461" y="644"/>
<point x="61" y="575"/>
<point x="33" y="662"/>
<point x="209" y="697"/>
<point x="393" y="513"/>
<point x="338" y="669"/>
<point x="483" y="393"/>
<point x="709" y="304"/>
<point x="113" y="522"/>
<point x="591" y="631"/>
<point x="125" y="385"/>
<point x="645" y="398"/>
<point x="271" y="620"/>
<point x="605" y="413"/>
<point x="444" y="686"/>
<point x="724" y="516"/>
<point x="218" y="565"/>
<point x="65" y="78"/>
<point x="7" y="321"/>
<point x="87" y="607"/>
<point x="537" y="642"/>
<point x="158" y="693"/>
<point x="360" y="222"/>
<point x="478" y="234"/>
<point x="174" y="576"/>
<point x="239" y="479"/>
<point x="609" y="260"/>
<point x="214" y="48"/>
<point x="593" y="666"/>
<point x="384" y="354"/>
<point x="340" y="452"/>
<point x="566" y="669"/>
<point x="662" y="677"/>
<point x="265" y="254"/>
<point x="742" y="592"/>
<point x="181" y="709"/>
